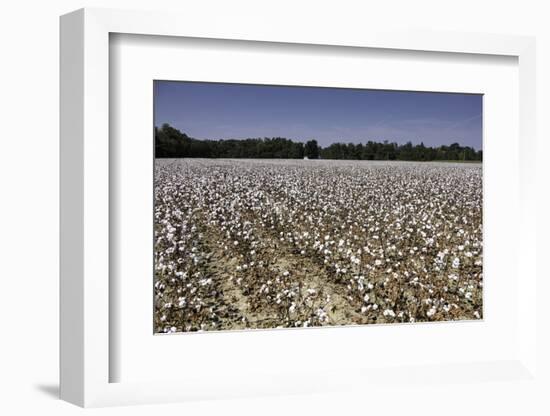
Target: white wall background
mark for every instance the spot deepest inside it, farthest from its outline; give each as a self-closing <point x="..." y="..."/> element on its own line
<point x="29" y="178"/>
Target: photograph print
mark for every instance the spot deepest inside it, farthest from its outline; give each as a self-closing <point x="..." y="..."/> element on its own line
<point x="296" y="207"/>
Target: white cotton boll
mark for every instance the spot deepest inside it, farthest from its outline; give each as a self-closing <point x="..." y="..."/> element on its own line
<point x="366" y="298"/>
<point x="389" y="312"/>
<point x="456" y="263"/>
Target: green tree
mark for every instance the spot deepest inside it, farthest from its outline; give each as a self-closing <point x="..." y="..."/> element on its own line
<point x="312" y="149"/>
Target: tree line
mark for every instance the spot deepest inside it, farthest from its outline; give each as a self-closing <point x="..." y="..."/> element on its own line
<point x="171" y="143"/>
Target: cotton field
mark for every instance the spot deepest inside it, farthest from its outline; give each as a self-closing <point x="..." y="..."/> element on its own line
<point x="244" y="244"/>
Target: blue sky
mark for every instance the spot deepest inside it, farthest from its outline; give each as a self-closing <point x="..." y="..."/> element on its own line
<point x="233" y="111"/>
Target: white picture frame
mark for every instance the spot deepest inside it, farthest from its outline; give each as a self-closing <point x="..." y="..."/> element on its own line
<point x="85" y="212"/>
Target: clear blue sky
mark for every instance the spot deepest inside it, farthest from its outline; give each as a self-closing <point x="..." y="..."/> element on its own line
<point x="234" y="111"/>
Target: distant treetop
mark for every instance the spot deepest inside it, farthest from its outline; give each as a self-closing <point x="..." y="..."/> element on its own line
<point x="171" y="143"/>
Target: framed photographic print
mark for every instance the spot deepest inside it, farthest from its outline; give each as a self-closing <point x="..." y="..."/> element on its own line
<point x="297" y="212"/>
<point x="256" y="230"/>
